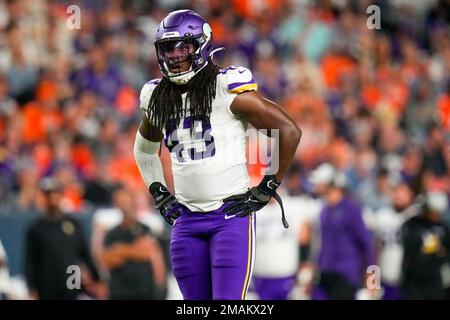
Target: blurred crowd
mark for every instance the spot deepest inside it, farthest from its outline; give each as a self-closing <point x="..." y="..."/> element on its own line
<point x="373" y="103"/>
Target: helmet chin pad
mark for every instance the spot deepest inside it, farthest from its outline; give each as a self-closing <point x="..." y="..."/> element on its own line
<point x="180" y="78"/>
<point x="184" y="77"/>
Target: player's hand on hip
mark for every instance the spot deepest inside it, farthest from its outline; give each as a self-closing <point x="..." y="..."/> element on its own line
<point x="254" y="199"/>
<point x="165" y="202"/>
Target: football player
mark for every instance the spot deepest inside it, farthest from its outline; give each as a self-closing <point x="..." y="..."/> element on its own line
<point x="201" y="112"/>
<point x="281" y="253"/>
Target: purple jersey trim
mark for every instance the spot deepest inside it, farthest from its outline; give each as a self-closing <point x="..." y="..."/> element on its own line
<point x="154" y="81"/>
<point x="225" y="70"/>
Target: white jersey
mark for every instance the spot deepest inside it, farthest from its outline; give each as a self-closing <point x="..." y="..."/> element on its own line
<point x="277" y="249"/>
<point x="108" y="218"/>
<point x="387" y="229"/>
<point x="210" y="164"/>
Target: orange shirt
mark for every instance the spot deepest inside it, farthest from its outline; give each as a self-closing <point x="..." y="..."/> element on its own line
<point x="37" y="120"/>
<point x="297" y="105"/>
<point x="73" y="199"/>
<point x="443" y="105"/>
<point x="126" y="101"/>
<point x="370" y="95"/>
<point x="333" y="66"/>
<point x="251" y="8"/>
<point x="124" y="169"/>
<point x="82" y="159"/>
<point x="42" y="155"/>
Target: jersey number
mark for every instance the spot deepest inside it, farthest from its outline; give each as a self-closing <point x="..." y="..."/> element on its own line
<point x="199" y="145"/>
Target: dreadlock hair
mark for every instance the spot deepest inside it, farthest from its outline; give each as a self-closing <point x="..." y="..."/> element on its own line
<point x="166" y="104"/>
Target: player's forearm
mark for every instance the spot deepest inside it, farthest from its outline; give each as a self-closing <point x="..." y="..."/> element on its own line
<point x="289" y="139"/>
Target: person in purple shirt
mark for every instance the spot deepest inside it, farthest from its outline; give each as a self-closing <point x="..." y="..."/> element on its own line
<point x="99" y="76"/>
<point x="346" y="244"/>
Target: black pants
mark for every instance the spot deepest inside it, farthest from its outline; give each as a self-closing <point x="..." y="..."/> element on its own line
<point x="336" y="286"/>
<point x="423" y="292"/>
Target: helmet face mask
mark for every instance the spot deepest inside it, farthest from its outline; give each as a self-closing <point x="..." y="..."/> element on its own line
<point x="174" y="55"/>
<point x="183" y="36"/>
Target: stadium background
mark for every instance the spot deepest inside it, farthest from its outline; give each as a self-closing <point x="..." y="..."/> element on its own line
<point x="366" y="100"/>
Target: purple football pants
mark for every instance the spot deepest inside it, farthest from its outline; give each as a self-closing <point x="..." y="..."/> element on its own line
<point x="212" y="254"/>
<point x="273" y="288"/>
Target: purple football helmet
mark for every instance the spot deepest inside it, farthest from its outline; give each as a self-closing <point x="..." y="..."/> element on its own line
<point x="183" y="35"/>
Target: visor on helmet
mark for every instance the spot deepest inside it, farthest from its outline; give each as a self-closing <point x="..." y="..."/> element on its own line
<point x="173" y="52"/>
<point x="176" y="49"/>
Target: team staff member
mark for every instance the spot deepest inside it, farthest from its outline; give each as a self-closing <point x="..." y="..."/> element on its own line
<point x="54" y="242"/>
<point x="426" y="241"/>
<point x="133" y="256"/>
<point x="346" y="247"/>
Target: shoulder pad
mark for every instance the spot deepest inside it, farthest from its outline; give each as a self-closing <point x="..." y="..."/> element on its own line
<point x="239" y="79"/>
<point x="146" y="93"/>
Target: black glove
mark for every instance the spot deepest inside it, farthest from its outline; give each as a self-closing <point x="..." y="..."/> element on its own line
<point x="255" y="199"/>
<point x="166" y="203"/>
